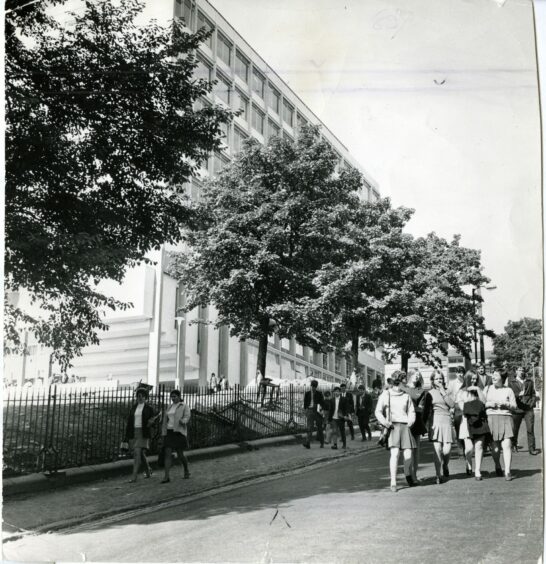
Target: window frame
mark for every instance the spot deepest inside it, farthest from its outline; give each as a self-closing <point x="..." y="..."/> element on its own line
<point x="257" y="74"/>
<point x="256" y="111"/>
<point x="240" y="57"/>
<point x="287" y="105"/>
<point x="208" y="25"/>
<point x="221" y="39"/>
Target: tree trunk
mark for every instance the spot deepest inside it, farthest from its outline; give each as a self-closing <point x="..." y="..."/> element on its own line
<point x="355" y="341"/>
<point x="405" y="361"/>
<point x="262" y="353"/>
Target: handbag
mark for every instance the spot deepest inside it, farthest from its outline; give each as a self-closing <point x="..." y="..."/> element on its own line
<point x="386" y="431"/>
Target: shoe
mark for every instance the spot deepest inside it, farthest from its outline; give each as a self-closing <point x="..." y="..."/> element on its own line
<point x="410" y="481"/>
<point x="478" y="478"/>
<point x="131" y="481"/>
<point x="165" y="481"/>
<point x="363" y="439"/>
<point x="508" y="477"/>
<point x="306" y="445"/>
<point x="515" y="449"/>
<point x="394" y="489"/>
<point x="344" y="447"/>
<point x="446" y="470"/>
<point x="534" y="451"/>
<point x="469" y="471"/>
<point x="353" y="438"/>
<point x="499" y="472"/>
<point x="439" y="480"/>
<point x="186" y="475"/>
<point x="321" y="445"/>
<point x="149" y="474"/>
<point x="416" y="481"/>
<point x="334" y="447"/>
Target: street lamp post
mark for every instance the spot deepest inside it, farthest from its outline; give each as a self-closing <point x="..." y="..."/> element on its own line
<point x="477" y="291"/>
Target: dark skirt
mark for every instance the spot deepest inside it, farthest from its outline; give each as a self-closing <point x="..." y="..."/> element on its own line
<point x="175" y="441"/>
<point x="418" y="428"/>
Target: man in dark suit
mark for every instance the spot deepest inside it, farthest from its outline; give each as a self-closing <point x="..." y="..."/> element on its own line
<point x="363" y="412"/>
<point x="313" y="404"/>
<point x="338" y="413"/>
<point x="524" y="390"/>
<point x="483" y="378"/>
<point x="350" y="405"/>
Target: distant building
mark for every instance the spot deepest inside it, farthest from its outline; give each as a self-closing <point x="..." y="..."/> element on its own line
<point x="148" y="342"/>
<point x="448" y="365"/>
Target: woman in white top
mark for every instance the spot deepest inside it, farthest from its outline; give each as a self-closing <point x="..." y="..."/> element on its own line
<point x="175" y="433"/>
<point x="396" y="412"/>
<point x="465" y="395"/>
<point x="499" y="403"/>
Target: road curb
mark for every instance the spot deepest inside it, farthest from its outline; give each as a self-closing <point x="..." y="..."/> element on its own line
<point x="120" y="513"/>
<point x="39" y="482"/>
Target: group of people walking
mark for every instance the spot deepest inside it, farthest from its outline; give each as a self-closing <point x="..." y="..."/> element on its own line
<point x="174" y="421"/>
<point x="476" y="409"/>
<point x="332" y="411"/>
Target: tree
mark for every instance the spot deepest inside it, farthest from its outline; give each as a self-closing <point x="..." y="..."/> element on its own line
<point x="101" y="135"/>
<point x="431" y="308"/>
<point x="520" y="344"/>
<point x="349" y="292"/>
<point x="270" y="221"/>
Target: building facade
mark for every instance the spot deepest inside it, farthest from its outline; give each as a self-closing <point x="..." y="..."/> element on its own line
<point x="154" y="341"/>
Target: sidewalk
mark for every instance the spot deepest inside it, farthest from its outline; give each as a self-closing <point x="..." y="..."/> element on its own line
<point x="50" y="510"/>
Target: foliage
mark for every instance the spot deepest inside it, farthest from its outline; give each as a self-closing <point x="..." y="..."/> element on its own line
<point x="101" y="134"/>
<point x="351" y="291"/>
<point x="432" y="309"/>
<point x="520" y="344"/>
<point x="270" y="221"/>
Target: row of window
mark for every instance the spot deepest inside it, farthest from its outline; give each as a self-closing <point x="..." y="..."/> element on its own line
<point x="241" y="67"/>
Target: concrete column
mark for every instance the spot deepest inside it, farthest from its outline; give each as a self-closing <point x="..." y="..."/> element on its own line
<point x="203" y="346"/>
<point x="180" y="337"/>
<point x="223" y="350"/>
<point x="154" y="350"/>
<point x="243" y="370"/>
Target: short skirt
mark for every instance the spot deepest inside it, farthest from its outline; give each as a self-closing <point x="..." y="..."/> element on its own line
<point x="401" y="437"/>
<point x="418" y="428"/>
<point x="176" y="441"/>
<point x="441" y="430"/>
<point x="140" y="441"/>
<point x="501" y="426"/>
<point x="463" y="429"/>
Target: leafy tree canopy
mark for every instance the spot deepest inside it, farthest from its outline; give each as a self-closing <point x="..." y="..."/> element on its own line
<point x="520" y="344"/>
<point x="101" y="134"/>
<point x="433" y="307"/>
<point x="270" y="222"/>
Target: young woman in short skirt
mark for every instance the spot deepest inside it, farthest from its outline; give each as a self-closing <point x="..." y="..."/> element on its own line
<point x="175" y="433"/>
<point x="499" y="403"/>
<point x="437" y="412"/>
<point x="137" y="432"/>
<point x="395" y="411"/>
<point x="469" y="393"/>
<point x="417" y="394"/>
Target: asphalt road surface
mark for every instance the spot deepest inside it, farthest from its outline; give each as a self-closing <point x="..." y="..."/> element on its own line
<point x="339" y="512"/>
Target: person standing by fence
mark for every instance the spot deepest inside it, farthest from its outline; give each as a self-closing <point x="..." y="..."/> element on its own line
<point x="174" y="431"/>
<point x="313" y="404"/>
<point x="137" y="432"/>
<point x="364" y="408"/>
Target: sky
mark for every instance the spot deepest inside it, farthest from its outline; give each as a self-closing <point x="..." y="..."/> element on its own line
<point x="438" y="101"/>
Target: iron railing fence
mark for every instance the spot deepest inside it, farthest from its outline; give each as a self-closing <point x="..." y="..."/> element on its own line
<point x="49" y="429"/>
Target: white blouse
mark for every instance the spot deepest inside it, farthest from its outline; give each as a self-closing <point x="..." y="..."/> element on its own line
<point x="138" y="416"/>
<point x="171" y="416"/>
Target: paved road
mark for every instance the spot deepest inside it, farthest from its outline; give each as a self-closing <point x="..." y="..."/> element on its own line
<point x="339" y="512"/>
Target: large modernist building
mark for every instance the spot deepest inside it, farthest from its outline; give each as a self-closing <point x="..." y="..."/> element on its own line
<point x="154" y="341"/>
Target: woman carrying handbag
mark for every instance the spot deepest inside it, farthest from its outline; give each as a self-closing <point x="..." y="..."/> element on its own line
<point x="395" y="412"/>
